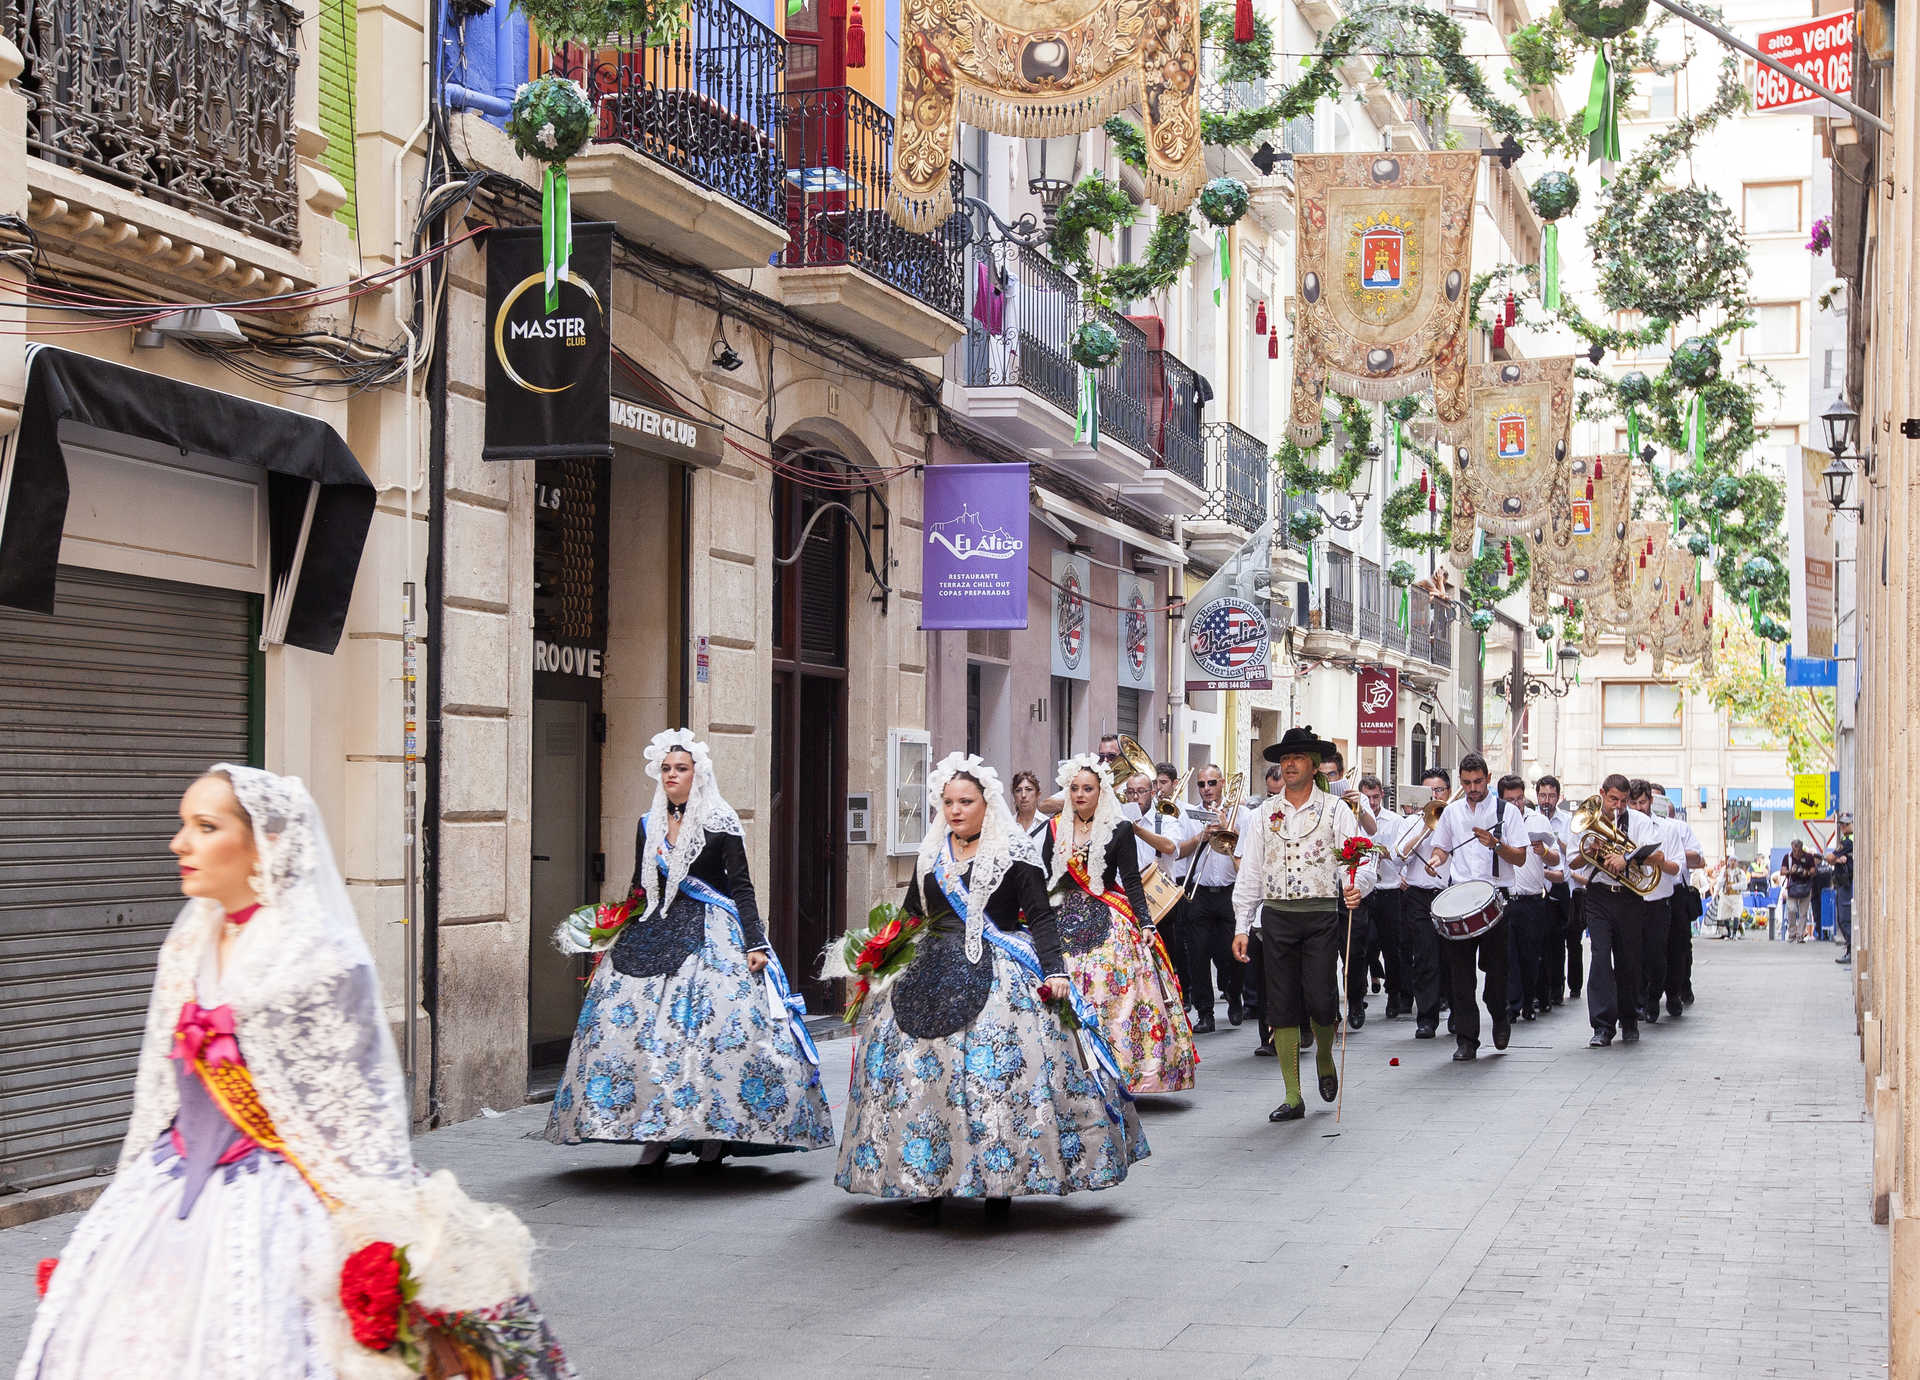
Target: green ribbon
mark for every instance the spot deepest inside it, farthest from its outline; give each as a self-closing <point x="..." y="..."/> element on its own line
<point x="1549" y="656"/>
<point x="1601" y="123"/>
<point x="1633" y="432"/>
<point x="1550" y="266"/>
<point x="1086" y="419"/>
<point x="1222" y="264"/>
<point x="1406" y="610"/>
<point x="1399" y="441"/>
<point x="1483" y="649"/>
<point x="556" y="230"/>
<point x="1699" y="429"/>
<point x="1310" y="570"/>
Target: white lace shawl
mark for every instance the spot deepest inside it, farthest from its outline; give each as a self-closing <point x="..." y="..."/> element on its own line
<point x="1002" y="842"/>
<point x="1106" y="819"/>
<point x="707" y="813"/>
<point x="311" y="1025"/>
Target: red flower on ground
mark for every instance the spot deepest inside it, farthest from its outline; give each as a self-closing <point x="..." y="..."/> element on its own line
<point x="370" y="1294"/>
<point x="43" y="1274"/>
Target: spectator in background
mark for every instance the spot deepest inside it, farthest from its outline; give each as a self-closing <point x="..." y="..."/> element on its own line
<point x="1842" y="859"/>
<point x="1798" y="871"/>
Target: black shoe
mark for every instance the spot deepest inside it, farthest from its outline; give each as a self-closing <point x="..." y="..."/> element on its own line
<point x="644" y="1170"/>
<point x="1465" y="1054"/>
<point x="1266" y="1050"/>
<point x="1357" y="1018"/>
<point x="1501" y="1034"/>
<point x="1573" y="994"/>
<point x="1204" y="1026"/>
<point x="1329" y="1086"/>
<point x="1600" y="1039"/>
<point x="925" y="1211"/>
<point x="1236" y="1013"/>
<point x="999" y="1209"/>
<point x="1288" y="1111"/>
<point x="1651" y="1015"/>
<point x="1674" y="1008"/>
<point x="1630" y="1036"/>
<point x="1376" y="987"/>
<point x="1526" y="1013"/>
<point x="1423" y="1031"/>
<point x="1687" y="996"/>
<point x="710" y="1167"/>
<point x="1845" y="957"/>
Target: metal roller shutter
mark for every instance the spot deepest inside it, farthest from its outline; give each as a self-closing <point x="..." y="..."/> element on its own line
<point x="107" y="709"/>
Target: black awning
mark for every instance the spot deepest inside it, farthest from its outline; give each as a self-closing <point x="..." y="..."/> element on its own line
<point x="309" y="465"/>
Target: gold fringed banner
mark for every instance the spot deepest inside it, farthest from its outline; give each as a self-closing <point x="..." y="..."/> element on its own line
<point x="1519" y="413"/>
<point x="1645" y="572"/>
<point x="1682" y="630"/>
<point x="1041" y="68"/>
<point x="1383" y="256"/>
<point x="1577" y="546"/>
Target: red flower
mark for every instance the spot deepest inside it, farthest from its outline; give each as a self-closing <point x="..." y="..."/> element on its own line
<point x="370" y="1294"/>
<point x="1354" y="852"/>
<point x="43" y="1274"/>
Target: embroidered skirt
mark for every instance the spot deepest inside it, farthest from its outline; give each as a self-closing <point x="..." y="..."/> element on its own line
<point x="1129" y="982"/>
<point x="1000" y="1108"/>
<point x="688" y="1056"/>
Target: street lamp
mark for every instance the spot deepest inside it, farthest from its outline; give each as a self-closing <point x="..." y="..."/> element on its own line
<point x="1359" y="490"/>
<point x="1841" y="423"/>
<point x="1051" y="165"/>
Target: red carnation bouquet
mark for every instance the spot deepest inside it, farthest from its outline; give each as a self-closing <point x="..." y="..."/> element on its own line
<point x="885" y="946"/>
<point x="378" y="1292"/>
<point x="1354" y="852"/>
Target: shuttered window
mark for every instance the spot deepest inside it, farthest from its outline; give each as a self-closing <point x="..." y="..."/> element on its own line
<point x="1126" y="711"/>
<point x="339" y="60"/>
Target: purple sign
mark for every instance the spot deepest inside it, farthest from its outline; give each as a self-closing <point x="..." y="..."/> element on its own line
<point x="973" y="567"/>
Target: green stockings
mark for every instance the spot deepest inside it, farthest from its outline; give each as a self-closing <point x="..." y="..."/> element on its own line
<point x="1286" y="1044"/>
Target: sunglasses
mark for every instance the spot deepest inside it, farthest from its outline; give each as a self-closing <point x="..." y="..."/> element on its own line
<point x="1108" y="756"/>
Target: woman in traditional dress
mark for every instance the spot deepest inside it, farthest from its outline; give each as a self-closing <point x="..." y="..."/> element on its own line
<point x="690" y="1038"/>
<point x="1026" y="805"/>
<point x="1114" y="954"/>
<point x="266" y="1180"/>
<point x="966" y="1081"/>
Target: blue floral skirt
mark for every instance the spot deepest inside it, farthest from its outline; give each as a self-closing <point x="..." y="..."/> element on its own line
<point x="689" y="1056"/>
<point x="1000" y="1108"/>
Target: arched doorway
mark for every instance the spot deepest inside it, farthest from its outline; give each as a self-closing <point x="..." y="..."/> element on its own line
<point x="807" y="890"/>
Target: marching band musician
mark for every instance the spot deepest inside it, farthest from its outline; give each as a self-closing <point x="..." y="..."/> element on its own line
<point x="1566" y="961"/>
<point x="1210" y="907"/>
<point x="1292" y="880"/>
<point x="1476" y="834"/>
<point x="1383" y="907"/>
<point x="1419" y="941"/>
<point x="1178" y="828"/>
<point x="1616" y="923"/>
<point x="1532" y="920"/>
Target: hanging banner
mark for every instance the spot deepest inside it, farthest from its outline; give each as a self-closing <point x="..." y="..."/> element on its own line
<point x="1623" y="601"/>
<point x="1512" y="475"/>
<point x="1682" y="626"/>
<point x="1228" y="639"/>
<point x="1384" y="251"/>
<point x="549" y="374"/>
<point x="1136" y="632"/>
<point x="1811" y="553"/>
<point x="1378" y="691"/>
<point x="1038" y="68"/>
<point x="1821" y="49"/>
<point x="1072" y="637"/>
<point x="1810" y="796"/>
<point x="1581" y="539"/>
<point x="973" y="564"/>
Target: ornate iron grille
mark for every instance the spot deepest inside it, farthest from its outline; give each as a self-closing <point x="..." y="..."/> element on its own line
<point x="1369" y="601"/>
<point x="1419" y="621"/>
<point x="189" y="102"/>
<point x="1128" y="385"/>
<point x="839" y="164"/>
<point x="1392" y="636"/>
<point x="1177" y="433"/>
<point x="1024" y="341"/>
<point x="1236" y="481"/>
<point x="1289" y="505"/>
<point x="1339" y="596"/>
<point x="706" y="105"/>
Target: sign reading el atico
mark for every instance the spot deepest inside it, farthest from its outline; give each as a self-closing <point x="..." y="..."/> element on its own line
<point x="1823" y="49"/>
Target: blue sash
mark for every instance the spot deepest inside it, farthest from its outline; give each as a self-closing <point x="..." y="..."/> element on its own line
<point x="782" y="1000"/>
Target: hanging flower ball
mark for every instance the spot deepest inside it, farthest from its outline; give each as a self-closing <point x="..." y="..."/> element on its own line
<point x="1757" y="570"/>
<point x="1543" y="631"/>
<point x="1223" y="200"/>
<point x="1696" y="361"/>
<point x="1676" y="484"/>
<point x="1635" y="387"/>
<point x="1724" y="496"/>
<point x="1094" y="344"/>
<point x="1554" y="194"/>
<point x="1404" y="409"/>
<point x="551" y="119"/>
<point x="1603" y="19"/>
<point x="1305" y="524"/>
<point x="1771" y="628"/>
<point x="1699" y="543"/>
<point x="1400" y="574"/>
<point x="1480" y="619"/>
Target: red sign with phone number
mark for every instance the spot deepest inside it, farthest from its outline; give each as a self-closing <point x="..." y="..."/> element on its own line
<point x="1822" y="49"/>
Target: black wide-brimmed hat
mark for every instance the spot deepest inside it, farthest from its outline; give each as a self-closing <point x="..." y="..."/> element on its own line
<point x="1300" y="739"/>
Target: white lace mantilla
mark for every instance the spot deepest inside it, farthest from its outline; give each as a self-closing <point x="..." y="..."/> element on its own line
<point x="707" y="813"/>
<point x="1002" y="842"/>
<point x="1106" y="819"/>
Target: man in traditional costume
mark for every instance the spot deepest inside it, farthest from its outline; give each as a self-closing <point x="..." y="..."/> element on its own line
<point x="1292" y="882"/>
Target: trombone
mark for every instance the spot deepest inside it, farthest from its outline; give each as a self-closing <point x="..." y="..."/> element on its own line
<point x="1409" y="849"/>
<point x="1225" y="841"/>
<point x="1596" y="837"/>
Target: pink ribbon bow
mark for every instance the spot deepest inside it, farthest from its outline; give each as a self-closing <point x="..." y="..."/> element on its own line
<point x="205" y="1034"/>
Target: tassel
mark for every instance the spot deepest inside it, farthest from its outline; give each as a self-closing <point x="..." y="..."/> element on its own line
<point x="1550" y="266"/>
<point x="1643" y="560"/>
<point x="856" y="37"/>
<point x="1589" y="491"/>
<point x="1506" y="548"/>
<point x="1423" y="483"/>
<point x="1260" y="317"/>
<point x="1599" y="470"/>
<point x="1273" y="344"/>
<point x="1243" y="21"/>
<point x="1433" y="500"/>
<point x="1499" y="333"/>
<point x="1513" y="312"/>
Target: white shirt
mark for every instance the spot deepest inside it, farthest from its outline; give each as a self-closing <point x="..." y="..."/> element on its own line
<point x="1215" y="867"/>
<point x="1530" y="878"/>
<point x="1179" y="828"/>
<point x="1415" y="870"/>
<point x="1640" y="829"/>
<point x="1468" y="859"/>
<point x="1688" y="842"/>
<point x="1250" y="888"/>
<point x="1386" y="833"/>
<point x="1563" y="829"/>
<point x="1143" y="852"/>
<point x="1673" y="843"/>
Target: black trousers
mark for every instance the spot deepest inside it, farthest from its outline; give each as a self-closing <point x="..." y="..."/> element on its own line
<point x="1173" y="933"/>
<point x="1301" y="951"/>
<point x="1655" y="978"/>
<point x="1564" y="962"/>
<point x="1253" y="984"/>
<point x="1536" y="929"/>
<point x="1420" y="953"/>
<point x="1487" y="953"/>
<point x="1616" y="922"/>
<point x="1383" y="915"/>
<point x="1354" y="959"/>
<point x="1210" y="947"/>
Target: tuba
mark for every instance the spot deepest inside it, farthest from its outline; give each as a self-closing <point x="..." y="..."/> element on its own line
<point x="1597" y="837"/>
<point x="1132" y="761"/>
<point x="1226" y="840"/>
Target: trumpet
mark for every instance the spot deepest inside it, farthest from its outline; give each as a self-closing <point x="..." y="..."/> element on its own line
<point x="1227" y="840"/>
<point x="1596" y="838"/>
<point x="1409" y="848"/>
<point x="1169" y="805"/>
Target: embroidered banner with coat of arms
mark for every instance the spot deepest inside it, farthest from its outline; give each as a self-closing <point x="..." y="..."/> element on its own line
<point x="1509" y="473"/>
<point x="1579" y="542"/>
<point x="1040" y="68"/>
<point x="1624" y="601"/>
<point x="1384" y="246"/>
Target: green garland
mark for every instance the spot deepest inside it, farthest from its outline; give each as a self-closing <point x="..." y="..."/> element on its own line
<point x="1298" y="474"/>
<point x="1482" y="585"/>
<point x="1407" y="501"/>
<point x="1169" y="251"/>
<point x="1240" y="62"/>
<point x="1092" y="205"/>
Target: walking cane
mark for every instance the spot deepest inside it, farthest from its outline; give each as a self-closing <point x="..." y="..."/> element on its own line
<point x="1341" y="1101"/>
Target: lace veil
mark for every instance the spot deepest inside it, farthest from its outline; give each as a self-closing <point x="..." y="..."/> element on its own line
<point x="1002" y="842"/>
<point x="1106" y="819"/>
<point x="707" y="813"/>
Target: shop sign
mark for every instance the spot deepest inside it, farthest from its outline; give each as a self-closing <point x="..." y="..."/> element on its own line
<point x="1136" y="632"/>
<point x="667" y="435"/>
<point x="1229" y="637"/>
<point x="1810" y="796"/>
<point x="973" y="564"/>
<point x="549" y="374"/>
<point x="1821" y="49"/>
<point x="1071" y="637"/>
<point x="1378" y="695"/>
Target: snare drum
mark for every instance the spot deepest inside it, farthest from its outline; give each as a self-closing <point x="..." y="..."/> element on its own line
<point x="1467" y="910"/>
<point x="1163" y="893"/>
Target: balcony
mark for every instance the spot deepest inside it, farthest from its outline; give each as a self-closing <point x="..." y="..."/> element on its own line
<point x="1220" y="96"/>
<point x="1369" y="623"/>
<point x="1236" y="483"/>
<point x="688" y="155"/>
<point x="845" y="263"/>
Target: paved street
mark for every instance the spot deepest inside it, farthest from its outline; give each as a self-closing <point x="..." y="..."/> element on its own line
<point x="1690" y="1208"/>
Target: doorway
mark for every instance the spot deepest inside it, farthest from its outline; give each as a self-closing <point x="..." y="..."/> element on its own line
<point x="565" y="825"/>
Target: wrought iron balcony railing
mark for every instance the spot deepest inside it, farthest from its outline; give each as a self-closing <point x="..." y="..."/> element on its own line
<point x="1338" y="597"/>
<point x="1419" y="618"/>
<point x="1370" y="620"/>
<point x="1128" y="385"/>
<point x="1219" y="96"/>
<point x="839" y="165"/>
<point x="1289" y="505"/>
<point x="1023" y="339"/>
<point x="1440" y="642"/>
<point x="1177" y="440"/>
<point x="707" y="104"/>
<point x="1392" y="636"/>
<point x="190" y="104"/>
<point x="1236" y="478"/>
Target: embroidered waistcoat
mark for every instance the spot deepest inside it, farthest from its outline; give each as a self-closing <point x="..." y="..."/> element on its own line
<point x="1302" y="855"/>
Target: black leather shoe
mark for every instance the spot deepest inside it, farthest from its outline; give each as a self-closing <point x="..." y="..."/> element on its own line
<point x="1674" y="1008"/>
<point x="1266" y="1050"/>
<point x="1423" y="1031"/>
<point x="1288" y="1111"/>
<point x="1465" y="1054"/>
<point x="1501" y="1034"/>
<point x="1329" y="1086"/>
<point x="1356" y="1019"/>
<point x="1203" y="1027"/>
<point x="1651" y="1015"/>
<point x="1630" y="1036"/>
<point x="1236" y="1013"/>
<point x="1600" y="1039"/>
<point x="1526" y="1013"/>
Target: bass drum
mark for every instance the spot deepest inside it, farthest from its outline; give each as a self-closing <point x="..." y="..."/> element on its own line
<point x="1467" y="910"/>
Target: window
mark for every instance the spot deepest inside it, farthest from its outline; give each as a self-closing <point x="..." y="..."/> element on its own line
<point x="1417" y="749"/>
<point x="1639" y="715"/>
<point x="973" y="162"/>
<point x="1775" y="330"/>
<point x="1062" y="710"/>
<point x="1771" y="208"/>
<point x="1636" y="321"/>
<point x="1652" y="97"/>
<point x="1126" y="711"/>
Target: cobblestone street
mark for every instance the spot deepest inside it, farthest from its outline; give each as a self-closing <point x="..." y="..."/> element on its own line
<point x="1692" y="1207"/>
